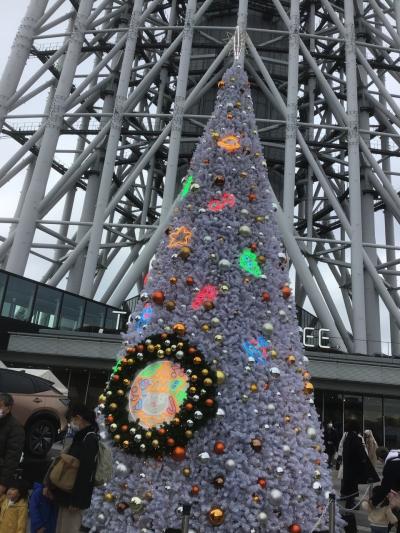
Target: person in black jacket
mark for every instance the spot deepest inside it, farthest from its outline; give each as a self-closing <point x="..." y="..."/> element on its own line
<point x="331" y="443"/>
<point x="12" y="439"/>
<point x="391" y="477"/>
<point x="357" y="469"/>
<point x="85" y="445"/>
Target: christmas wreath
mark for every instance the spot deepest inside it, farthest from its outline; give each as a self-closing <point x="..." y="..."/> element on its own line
<point x="158" y="395"/>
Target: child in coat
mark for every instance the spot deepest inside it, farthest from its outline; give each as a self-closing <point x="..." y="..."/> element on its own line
<point x="14" y="508"/>
<point x="42" y="510"/>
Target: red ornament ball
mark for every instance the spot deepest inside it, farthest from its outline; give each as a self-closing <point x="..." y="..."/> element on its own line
<point x="286" y="292"/>
<point x="262" y="482"/>
<point x="219" y="447"/>
<point x="179" y="453"/>
<point x="195" y="490"/>
<point x="158" y="297"/>
<point x="266" y="296"/>
<point x="295" y="528"/>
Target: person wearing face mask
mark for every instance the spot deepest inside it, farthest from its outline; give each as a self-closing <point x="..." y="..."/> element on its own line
<point x="12" y="439"/>
<point x="84" y="446"/>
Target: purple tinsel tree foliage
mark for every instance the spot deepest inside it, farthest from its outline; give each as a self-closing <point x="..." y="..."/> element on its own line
<point x="237" y="437"/>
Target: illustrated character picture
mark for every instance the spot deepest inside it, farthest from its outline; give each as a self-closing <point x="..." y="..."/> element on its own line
<point x="157" y="393"/>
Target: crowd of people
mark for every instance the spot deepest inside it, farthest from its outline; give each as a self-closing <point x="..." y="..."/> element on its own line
<point x="53" y="506"/>
<point x="356" y="457"/>
<point x="56" y="505"/>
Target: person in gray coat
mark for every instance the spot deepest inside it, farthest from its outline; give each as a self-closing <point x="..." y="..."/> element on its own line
<point x="12" y="440"/>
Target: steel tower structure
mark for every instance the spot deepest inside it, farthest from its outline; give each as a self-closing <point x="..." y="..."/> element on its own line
<point x="101" y="102"/>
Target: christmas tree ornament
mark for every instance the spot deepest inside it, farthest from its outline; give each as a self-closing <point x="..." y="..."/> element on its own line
<point x="219" y="481"/>
<point x="275" y="496"/>
<point x="136" y="504"/>
<point x="121" y="507"/>
<point x="262" y="518"/>
<point x="219" y="448"/>
<point x="256" y="444"/>
<point x="295" y="528"/>
<point x="216" y="516"/>
<point x="229" y="143"/>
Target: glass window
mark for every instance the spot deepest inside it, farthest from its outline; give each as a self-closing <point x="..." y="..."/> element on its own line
<point x="353" y="409"/>
<point x="97" y="383"/>
<point x="78" y="386"/>
<point x="18" y="299"/>
<point x="3" y="281"/>
<point x="71" y="312"/>
<point x="111" y="325"/>
<point x="318" y="401"/>
<point x="373" y="417"/>
<point x="94" y="317"/>
<point x="46" y="307"/>
<point x="333" y="409"/>
<point x="392" y="423"/>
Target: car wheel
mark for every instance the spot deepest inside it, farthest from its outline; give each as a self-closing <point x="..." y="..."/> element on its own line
<point x="40" y="437"/>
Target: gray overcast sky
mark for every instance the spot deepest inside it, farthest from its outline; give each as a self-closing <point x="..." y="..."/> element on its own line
<point x="10" y="21"/>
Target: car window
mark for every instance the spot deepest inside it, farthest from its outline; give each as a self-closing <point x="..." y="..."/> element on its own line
<point x="16" y="383"/>
<point x="41" y="385"/>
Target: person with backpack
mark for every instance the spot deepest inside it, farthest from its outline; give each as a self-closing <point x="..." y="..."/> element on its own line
<point x="71" y="479"/>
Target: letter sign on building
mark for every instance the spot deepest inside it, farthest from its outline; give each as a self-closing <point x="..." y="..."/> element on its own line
<point x="309" y="338"/>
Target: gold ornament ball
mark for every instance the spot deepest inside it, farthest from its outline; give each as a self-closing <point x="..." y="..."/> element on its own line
<point x="186" y="471"/>
<point x="108" y="497"/>
<point x="287" y="419"/>
<point x="216" y="516"/>
<point x="274" y="354"/>
<point x="220" y="377"/>
<point x="125" y="444"/>
<point x="205" y="328"/>
<point x="113" y="406"/>
<point x="185" y="252"/>
<point x="308" y="388"/>
<point x="256" y="444"/>
<point x="102" y="398"/>
<point x="179" y="328"/>
<point x="291" y="359"/>
<point x="151" y="348"/>
<point x="126" y="382"/>
<point x="155" y="443"/>
<point x="208" y="382"/>
<point x="188" y="434"/>
<point x="117" y="438"/>
<point x="148" y="495"/>
<point x="205" y="372"/>
<point x="120" y="392"/>
<point x="148" y="434"/>
<point x="170" y="305"/>
<point x="254" y="387"/>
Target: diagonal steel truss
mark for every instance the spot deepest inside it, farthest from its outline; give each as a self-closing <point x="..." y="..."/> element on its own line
<point x="117" y="91"/>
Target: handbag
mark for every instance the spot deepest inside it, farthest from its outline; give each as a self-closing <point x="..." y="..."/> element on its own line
<point x="64" y="471"/>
